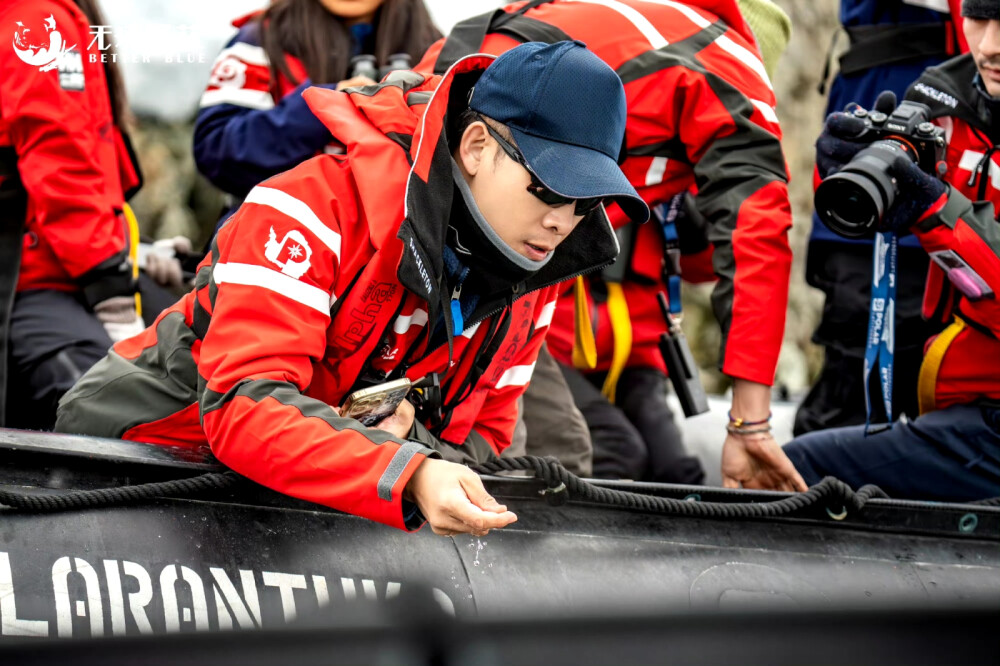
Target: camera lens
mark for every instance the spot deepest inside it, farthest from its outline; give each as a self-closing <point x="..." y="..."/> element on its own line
<point x="852" y="201"/>
<point x="850" y="204"/>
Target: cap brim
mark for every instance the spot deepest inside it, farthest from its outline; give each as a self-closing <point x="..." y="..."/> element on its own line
<point x="576" y="172"/>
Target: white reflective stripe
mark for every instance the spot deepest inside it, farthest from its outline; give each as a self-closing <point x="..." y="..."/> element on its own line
<point x="298" y="211"/>
<point x="970" y="160"/>
<point x="248" y="53"/>
<point x="746" y="56"/>
<point x="641" y="23"/>
<point x="545" y="317"/>
<point x="252" y="99"/>
<point x="252" y="275"/>
<point x="766" y="110"/>
<point x="654" y="176"/>
<point x="471" y="331"/>
<point x="403" y="324"/>
<point x="519" y="375"/>
<point x="690" y="13"/>
<point x="936" y="5"/>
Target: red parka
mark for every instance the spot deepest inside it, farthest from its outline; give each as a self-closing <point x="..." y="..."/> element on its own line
<point x="701" y="113"/>
<point x="962" y="364"/>
<point x="58" y="134"/>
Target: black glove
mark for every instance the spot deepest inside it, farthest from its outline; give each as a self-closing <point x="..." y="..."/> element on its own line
<point x="918" y="191"/>
<point x="835" y="146"/>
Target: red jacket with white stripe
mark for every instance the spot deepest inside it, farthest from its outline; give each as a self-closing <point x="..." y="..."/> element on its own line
<point x="58" y="137"/>
<point x="329" y="278"/>
<point x="962" y="364"/>
<point x="700" y="114"/>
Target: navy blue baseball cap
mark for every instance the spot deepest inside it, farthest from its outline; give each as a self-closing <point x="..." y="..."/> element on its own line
<point x="566" y="110"/>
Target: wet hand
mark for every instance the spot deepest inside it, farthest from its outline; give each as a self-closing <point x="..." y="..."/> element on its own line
<point x="454" y="501"/>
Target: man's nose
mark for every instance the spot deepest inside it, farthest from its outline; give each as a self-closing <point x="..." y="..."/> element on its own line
<point x="560" y="219"/>
<point x="990" y="44"/>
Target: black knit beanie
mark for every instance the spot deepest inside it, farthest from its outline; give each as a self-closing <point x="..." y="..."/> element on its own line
<point x="981" y="9"/>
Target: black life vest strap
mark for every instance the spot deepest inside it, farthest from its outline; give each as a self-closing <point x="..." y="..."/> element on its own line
<point x="13" y="210"/>
<point x="467" y="36"/>
<point x="889" y="44"/>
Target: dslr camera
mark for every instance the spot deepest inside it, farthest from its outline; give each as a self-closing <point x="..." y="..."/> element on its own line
<point x="852" y="201"/>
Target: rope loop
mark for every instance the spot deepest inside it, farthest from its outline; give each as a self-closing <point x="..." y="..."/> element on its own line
<point x="830" y="492"/>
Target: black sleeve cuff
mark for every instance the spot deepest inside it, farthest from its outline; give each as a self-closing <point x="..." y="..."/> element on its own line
<point x="412" y="518"/>
<point x="108" y="279"/>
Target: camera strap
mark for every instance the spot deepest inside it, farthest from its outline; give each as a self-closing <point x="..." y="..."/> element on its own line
<point x="881" y="328"/>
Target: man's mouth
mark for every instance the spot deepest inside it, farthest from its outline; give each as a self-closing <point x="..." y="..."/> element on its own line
<point x="537" y="252"/>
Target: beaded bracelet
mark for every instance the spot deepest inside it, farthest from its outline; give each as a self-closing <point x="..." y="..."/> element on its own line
<point x="739" y="423"/>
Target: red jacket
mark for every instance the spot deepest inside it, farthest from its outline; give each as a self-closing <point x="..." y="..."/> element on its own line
<point x="701" y="112"/>
<point x="329" y="278"/>
<point x="56" y="126"/>
<point x="962" y="364"/>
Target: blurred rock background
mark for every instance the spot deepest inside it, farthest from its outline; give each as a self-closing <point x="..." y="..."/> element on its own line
<point x="185" y="36"/>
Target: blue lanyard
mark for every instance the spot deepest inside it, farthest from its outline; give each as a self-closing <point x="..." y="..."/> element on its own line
<point x="666" y="214"/>
<point x="881" y="327"/>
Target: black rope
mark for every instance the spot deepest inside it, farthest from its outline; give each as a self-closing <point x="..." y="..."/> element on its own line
<point x="830" y="493"/>
<point x="138" y="494"/>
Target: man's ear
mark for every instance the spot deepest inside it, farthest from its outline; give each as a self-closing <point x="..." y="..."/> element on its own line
<point x="471" y="148"/>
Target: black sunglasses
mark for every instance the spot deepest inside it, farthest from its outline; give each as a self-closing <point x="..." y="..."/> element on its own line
<point x="547" y="196"/>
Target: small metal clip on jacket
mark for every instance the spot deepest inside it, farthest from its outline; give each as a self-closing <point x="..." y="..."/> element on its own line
<point x="427" y="399"/>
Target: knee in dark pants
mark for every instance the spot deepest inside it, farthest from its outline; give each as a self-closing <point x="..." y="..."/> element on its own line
<point x="642" y="396"/>
<point x="619" y="451"/>
<point x="33" y="402"/>
<point x="54" y="340"/>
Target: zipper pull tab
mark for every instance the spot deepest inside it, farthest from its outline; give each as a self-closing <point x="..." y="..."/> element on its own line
<point x="456" y="310"/>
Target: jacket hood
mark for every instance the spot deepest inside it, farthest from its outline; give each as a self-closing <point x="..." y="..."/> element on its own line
<point x="949" y="90"/>
<point x="395" y="132"/>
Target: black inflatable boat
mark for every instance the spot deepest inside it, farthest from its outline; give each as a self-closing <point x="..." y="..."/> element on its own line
<point x="241" y="556"/>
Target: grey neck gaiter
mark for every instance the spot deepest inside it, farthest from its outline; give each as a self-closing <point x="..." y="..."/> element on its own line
<point x="480" y="233"/>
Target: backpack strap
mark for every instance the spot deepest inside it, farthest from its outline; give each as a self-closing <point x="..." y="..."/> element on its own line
<point x="467" y="36"/>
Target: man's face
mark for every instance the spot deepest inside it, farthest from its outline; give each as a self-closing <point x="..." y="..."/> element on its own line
<point x="524" y="222"/>
<point x="984" y="41"/>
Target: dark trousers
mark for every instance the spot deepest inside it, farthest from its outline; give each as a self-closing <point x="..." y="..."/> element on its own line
<point x="838" y="397"/>
<point x="635" y="438"/>
<point x="947" y="455"/>
<point x="54" y="339"/>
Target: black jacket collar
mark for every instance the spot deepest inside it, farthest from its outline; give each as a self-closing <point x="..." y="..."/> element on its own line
<point x="949" y="89"/>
